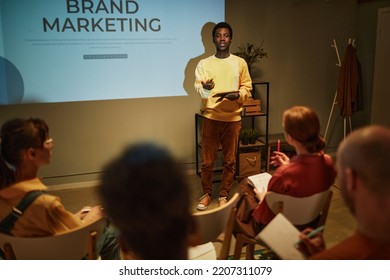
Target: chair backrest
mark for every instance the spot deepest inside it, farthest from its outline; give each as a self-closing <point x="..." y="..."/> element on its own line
<point x="299" y="210"/>
<point x="75" y="244"/>
<point x="211" y="223"/>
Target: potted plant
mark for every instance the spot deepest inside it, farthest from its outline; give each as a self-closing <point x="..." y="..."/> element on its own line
<point x="251" y="53"/>
<point x="252" y="136"/>
<point x="244" y="136"/>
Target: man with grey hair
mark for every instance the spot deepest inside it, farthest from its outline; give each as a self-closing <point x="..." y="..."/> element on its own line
<point x="364" y="174"/>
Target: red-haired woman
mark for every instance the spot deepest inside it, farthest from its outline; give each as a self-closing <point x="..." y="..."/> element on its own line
<point x="309" y="172"/>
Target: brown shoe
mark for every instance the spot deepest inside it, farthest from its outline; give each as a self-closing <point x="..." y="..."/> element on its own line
<point x="222" y="201"/>
<point x="203" y="202"/>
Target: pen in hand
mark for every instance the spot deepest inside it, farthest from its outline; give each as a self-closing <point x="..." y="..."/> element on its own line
<point x="310" y="234"/>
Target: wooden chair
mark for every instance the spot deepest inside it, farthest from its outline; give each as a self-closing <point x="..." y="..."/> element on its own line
<point x="226" y="237"/>
<point x="300" y="211"/>
<point x="75" y="244"/>
<point x="211" y="224"/>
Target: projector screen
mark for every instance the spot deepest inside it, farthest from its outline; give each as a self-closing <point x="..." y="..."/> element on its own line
<point x="78" y="50"/>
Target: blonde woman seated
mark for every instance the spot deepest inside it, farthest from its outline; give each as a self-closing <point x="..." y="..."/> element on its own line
<point x="309" y="172"/>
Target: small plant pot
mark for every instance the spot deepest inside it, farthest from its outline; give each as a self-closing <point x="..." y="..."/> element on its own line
<point x="244" y="141"/>
<point x="252" y="140"/>
<point x="244" y="136"/>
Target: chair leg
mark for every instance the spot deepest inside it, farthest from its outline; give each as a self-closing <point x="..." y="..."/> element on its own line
<point x="250" y="251"/>
<point x="9" y="252"/>
<point x="92" y="253"/>
<point x="241" y="240"/>
<point x="227" y="236"/>
<point x="224" y="252"/>
<point x="238" y="247"/>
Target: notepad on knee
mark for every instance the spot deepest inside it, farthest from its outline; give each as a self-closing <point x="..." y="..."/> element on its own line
<point x="281" y="236"/>
<point x="260" y="182"/>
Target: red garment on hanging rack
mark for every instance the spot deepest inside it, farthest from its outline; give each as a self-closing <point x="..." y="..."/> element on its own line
<point x="347" y="89"/>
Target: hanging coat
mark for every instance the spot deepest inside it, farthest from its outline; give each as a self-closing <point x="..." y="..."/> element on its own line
<point x="348" y="84"/>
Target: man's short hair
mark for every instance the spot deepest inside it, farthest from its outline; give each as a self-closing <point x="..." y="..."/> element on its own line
<point x="223" y="25"/>
<point x="146" y="195"/>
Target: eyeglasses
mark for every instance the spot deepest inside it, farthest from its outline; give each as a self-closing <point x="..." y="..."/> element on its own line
<point x="49" y="142"/>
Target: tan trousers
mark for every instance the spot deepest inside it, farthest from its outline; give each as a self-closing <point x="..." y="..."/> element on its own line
<point x="214" y="134"/>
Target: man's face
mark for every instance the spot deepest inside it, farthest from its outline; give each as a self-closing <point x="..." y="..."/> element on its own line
<point x="222" y="39"/>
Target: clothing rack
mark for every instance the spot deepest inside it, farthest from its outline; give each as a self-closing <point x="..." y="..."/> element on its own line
<point x="334" y="45"/>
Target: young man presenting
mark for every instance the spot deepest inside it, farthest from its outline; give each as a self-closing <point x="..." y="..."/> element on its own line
<point x="223" y="82"/>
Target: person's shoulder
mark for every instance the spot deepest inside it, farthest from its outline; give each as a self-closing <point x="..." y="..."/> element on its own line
<point x="48" y="201"/>
<point x="204" y="62"/>
<point x="232" y="55"/>
<point x="289" y="172"/>
<point x="328" y="159"/>
<point x="238" y="58"/>
<point x="355" y="247"/>
<point x="282" y="172"/>
<point x="208" y="58"/>
<point x="314" y="159"/>
<point x="327" y="156"/>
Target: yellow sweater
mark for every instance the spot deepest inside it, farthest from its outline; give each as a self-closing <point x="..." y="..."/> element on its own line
<point x="44" y="217"/>
<point x="229" y="74"/>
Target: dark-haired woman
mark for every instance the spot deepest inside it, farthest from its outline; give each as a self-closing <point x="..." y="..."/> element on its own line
<point x="25" y="147"/>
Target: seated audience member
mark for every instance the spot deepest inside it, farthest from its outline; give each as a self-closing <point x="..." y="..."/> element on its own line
<point x="25" y="147"/>
<point x="309" y="172"/>
<point x="364" y="176"/>
<point x="147" y="198"/>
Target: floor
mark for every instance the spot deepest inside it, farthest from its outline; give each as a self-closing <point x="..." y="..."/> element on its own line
<point x="339" y="225"/>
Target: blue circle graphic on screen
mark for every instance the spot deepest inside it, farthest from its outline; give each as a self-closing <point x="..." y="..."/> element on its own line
<point x="11" y="83"/>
